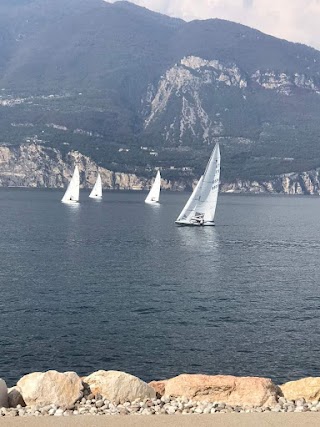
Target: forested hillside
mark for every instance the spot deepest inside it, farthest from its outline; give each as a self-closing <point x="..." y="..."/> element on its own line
<point x="136" y="90"/>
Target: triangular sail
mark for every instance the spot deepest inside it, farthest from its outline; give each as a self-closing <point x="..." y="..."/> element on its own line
<point x="191" y="203"/>
<point x="72" y="193"/>
<point x="96" y="192"/>
<point x="201" y="206"/>
<point x="154" y="193"/>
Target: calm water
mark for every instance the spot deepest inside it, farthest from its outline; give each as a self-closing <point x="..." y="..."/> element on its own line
<point x="116" y="285"/>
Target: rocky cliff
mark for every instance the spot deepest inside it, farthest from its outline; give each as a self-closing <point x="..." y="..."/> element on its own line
<point x="190" y="83"/>
<point x="33" y="165"/>
<point x="184" y="84"/>
<point x="38" y="166"/>
<point x="291" y="183"/>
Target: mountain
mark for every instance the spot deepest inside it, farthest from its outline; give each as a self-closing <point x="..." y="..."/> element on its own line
<point x="135" y="90"/>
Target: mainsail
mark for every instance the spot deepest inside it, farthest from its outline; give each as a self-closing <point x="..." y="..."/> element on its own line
<point x="72" y="193"/>
<point x="154" y="193"/>
<point x="96" y="192"/>
<point x="201" y="206"/>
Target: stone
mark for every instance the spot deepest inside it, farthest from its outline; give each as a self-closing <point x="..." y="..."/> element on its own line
<point x="282" y="400"/>
<point x="15" y="398"/>
<point x="51" y="387"/>
<point x="171" y="410"/>
<point x="99" y="403"/>
<point x="159" y="387"/>
<point x="299" y="409"/>
<point x="232" y="390"/>
<point x="165" y="399"/>
<point x="118" y="386"/>
<point x="306" y="388"/>
<point x="3" y="394"/>
<point x="13" y="413"/>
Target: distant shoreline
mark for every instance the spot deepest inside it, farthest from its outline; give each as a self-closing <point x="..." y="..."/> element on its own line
<point x="166" y="191"/>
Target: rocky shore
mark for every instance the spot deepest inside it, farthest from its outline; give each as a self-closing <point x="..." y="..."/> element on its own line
<point x="117" y="393"/>
<point x="36" y="166"/>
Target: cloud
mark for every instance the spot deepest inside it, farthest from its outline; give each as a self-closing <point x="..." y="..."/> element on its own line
<point x="294" y="20"/>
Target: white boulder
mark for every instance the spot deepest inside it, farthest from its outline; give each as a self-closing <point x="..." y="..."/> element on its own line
<point x="118" y="386"/>
<point x="51" y="387"/>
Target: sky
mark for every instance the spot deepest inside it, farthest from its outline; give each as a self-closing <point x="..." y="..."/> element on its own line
<point x="293" y="20"/>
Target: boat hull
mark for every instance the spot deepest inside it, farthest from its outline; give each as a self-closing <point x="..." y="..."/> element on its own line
<point x="70" y="202"/>
<point x="151" y="203"/>
<point x="189" y="224"/>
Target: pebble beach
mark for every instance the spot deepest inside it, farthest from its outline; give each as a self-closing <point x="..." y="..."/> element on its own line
<point x="116" y="393"/>
<point x="163" y="406"/>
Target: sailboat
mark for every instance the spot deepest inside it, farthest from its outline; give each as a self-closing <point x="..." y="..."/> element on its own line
<point x="96" y="192"/>
<point x="72" y="193"/>
<point x="154" y="193"/>
<point x="201" y="206"/>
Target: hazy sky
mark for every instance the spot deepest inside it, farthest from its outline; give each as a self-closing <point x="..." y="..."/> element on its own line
<point x="294" y="20"/>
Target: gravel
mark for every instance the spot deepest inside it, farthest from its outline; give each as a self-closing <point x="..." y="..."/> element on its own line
<point x="96" y="405"/>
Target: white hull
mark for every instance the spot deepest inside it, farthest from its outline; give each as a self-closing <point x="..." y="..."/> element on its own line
<point x="96" y="197"/>
<point x="69" y="202"/>
<point x="151" y="202"/>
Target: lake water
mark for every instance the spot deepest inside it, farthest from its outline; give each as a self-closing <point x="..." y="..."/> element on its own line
<point x="116" y="285"/>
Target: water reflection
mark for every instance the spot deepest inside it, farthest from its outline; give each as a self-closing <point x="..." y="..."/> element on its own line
<point x="198" y="238"/>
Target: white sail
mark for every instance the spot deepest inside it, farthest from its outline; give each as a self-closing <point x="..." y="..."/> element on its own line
<point x="191" y="203"/>
<point x="72" y="193"/>
<point x="96" y="192"/>
<point x="201" y="206"/>
<point x="154" y="193"/>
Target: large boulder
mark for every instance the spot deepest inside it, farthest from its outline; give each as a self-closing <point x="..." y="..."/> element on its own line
<point x="15" y="398"/>
<point x="3" y="394"/>
<point x="307" y="388"/>
<point x="250" y="391"/>
<point x="52" y="387"/>
<point x="118" y="386"/>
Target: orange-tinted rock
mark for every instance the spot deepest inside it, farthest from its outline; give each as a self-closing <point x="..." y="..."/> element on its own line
<point x="251" y="391"/>
<point x="159" y="386"/>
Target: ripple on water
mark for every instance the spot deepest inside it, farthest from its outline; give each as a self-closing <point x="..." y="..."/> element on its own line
<point x="116" y="285"/>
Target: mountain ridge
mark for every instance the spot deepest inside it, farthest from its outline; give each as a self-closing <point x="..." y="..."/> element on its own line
<point x="87" y="77"/>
